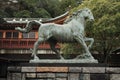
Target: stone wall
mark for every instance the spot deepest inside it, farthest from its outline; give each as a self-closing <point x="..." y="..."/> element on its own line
<point x="65" y="73"/>
<point x="2" y="78"/>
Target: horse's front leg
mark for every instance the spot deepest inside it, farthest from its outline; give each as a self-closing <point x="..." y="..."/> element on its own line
<point x="91" y="41"/>
<point x="79" y="38"/>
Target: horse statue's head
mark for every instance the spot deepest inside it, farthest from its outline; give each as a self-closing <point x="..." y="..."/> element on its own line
<point x="82" y="13"/>
<point x="86" y="13"/>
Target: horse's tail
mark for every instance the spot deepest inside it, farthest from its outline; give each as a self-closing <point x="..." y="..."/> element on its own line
<point x="28" y="27"/>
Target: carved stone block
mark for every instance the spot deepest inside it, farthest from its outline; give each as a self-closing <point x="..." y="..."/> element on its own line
<point x="112" y="70"/>
<point x="73" y="76"/>
<point x="75" y="69"/>
<point x="28" y="69"/>
<point x="61" y="75"/>
<point x="94" y="69"/>
<point x="115" y="77"/>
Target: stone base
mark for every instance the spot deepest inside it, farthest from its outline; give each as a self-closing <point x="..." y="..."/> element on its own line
<point x="63" y="61"/>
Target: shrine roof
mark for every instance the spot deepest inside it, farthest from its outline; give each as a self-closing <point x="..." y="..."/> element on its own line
<point x="44" y="20"/>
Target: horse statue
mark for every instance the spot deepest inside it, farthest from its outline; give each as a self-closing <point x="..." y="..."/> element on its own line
<point x="71" y="31"/>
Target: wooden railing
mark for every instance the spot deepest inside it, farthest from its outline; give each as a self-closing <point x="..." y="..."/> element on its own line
<point x="22" y="44"/>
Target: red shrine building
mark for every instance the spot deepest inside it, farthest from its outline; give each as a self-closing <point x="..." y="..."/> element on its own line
<point x="15" y="46"/>
<point x="12" y="41"/>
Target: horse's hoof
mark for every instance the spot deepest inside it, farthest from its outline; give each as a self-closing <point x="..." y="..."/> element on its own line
<point x="36" y="57"/>
<point x="62" y="58"/>
<point x="32" y="55"/>
<point x="34" y="60"/>
<point x="84" y="56"/>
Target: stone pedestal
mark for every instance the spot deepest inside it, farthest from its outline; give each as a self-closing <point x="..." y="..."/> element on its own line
<point x="64" y="61"/>
<point x="65" y="73"/>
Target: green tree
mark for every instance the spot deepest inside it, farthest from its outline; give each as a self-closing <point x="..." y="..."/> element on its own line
<point x="51" y="6"/>
<point x="105" y="29"/>
<point x="3" y="14"/>
<point x="10" y="11"/>
<point x="41" y="12"/>
<point x="67" y="4"/>
<point x="22" y="14"/>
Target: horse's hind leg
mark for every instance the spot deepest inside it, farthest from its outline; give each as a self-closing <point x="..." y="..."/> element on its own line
<point x="52" y="45"/>
<point x="36" y="44"/>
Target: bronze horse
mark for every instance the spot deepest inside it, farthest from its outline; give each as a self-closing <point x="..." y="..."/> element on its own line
<point x="72" y="31"/>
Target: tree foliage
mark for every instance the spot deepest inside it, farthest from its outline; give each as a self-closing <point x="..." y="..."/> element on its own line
<point x="49" y="8"/>
<point x="23" y="14"/>
<point x="106" y="27"/>
<point x="41" y="12"/>
<point x="66" y="4"/>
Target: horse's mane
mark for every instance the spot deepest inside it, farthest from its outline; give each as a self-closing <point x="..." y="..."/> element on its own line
<point x="71" y="16"/>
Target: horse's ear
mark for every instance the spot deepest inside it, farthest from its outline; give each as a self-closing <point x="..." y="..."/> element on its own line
<point x="79" y="11"/>
<point x="86" y="8"/>
<point x="74" y="13"/>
